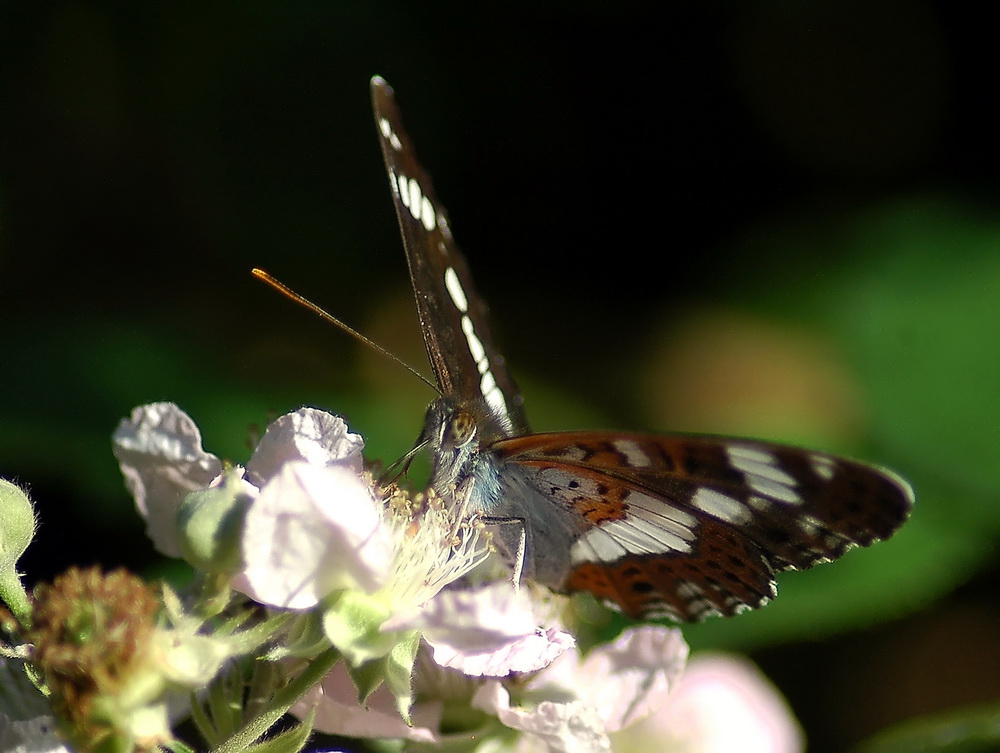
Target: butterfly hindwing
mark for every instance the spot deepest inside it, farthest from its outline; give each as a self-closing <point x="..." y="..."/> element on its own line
<point x="686" y="526"/>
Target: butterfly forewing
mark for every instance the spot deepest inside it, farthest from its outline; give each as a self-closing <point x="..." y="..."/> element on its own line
<point x="686" y="526"/>
<point x="453" y="317"/>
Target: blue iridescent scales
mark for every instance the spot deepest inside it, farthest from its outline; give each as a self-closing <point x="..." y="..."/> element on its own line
<point x="672" y="526"/>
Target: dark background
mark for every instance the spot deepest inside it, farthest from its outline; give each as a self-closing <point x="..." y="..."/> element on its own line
<point x="752" y="218"/>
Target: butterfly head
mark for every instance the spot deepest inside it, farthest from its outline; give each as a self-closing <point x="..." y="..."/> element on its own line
<point x="455" y="432"/>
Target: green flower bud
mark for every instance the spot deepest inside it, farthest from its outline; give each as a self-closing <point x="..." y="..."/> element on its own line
<point x="17" y="528"/>
<point x="210" y="523"/>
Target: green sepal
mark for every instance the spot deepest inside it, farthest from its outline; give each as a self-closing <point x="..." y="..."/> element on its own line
<point x="395" y="669"/>
<point x="351" y="620"/>
<point x="399" y="671"/>
<point x="289" y="741"/>
<point x="303" y="637"/>
<point x="367" y="678"/>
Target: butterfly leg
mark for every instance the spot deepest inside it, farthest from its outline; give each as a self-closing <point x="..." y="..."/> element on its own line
<point x="513" y="545"/>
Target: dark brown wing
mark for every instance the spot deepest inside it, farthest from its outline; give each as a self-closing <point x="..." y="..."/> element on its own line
<point x="453" y="316"/>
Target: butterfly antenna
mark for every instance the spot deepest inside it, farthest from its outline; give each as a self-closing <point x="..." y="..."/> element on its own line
<point x="260" y="274"/>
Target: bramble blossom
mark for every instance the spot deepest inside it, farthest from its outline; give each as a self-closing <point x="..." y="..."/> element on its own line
<point x="304" y="527"/>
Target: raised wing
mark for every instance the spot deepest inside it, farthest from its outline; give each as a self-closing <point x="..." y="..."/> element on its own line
<point x="453" y="316"/>
<point x="687" y="526"/>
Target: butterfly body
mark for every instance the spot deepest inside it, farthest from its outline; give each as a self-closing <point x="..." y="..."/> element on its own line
<point x="532" y="528"/>
<point x="656" y="525"/>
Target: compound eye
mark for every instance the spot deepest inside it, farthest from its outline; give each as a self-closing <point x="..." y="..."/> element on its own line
<point x="461" y="430"/>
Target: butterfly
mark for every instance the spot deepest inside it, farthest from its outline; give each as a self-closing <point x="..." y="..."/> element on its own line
<point x="657" y="526"/>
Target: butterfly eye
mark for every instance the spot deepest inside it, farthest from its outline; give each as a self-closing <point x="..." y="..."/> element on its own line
<point x="461" y="430"/>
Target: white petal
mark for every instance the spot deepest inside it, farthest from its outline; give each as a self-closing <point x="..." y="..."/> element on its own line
<point x="159" y="450"/>
<point x="723" y="703"/>
<point x="307" y="434"/>
<point x="312" y="530"/>
<point x="490" y="631"/>
<point x="631" y="677"/>
<point x="26" y="724"/>
<point x="574" y="726"/>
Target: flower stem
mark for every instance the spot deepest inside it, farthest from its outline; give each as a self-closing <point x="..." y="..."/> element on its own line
<point x="282" y="701"/>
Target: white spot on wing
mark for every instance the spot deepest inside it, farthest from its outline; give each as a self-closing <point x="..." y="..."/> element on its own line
<point x="415" y="199"/>
<point x="386" y="127"/>
<point x="808" y="524"/>
<point x="632" y="451"/>
<point x="753" y="454"/>
<point x="487" y="384"/>
<point x="659" y="610"/>
<point x="698" y="604"/>
<point x="823" y="466"/>
<point x="662" y="515"/>
<point x="721" y="506"/>
<point x="611" y="541"/>
<point x="762" y="473"/>
<point x="427" y="215"/>
<point x="755" y="462"/>
<point x="457" y="293"/>
<point x="476" y="348"/>
<point x="494" y="397"/>
<point x="596" y="546"/>
<point x="688" y="590"/>
<point x="774" y="490"/>
<point x="571" y="452"/>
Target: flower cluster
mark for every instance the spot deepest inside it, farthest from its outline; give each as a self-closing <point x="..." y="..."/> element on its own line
<point x="360" y="609"/>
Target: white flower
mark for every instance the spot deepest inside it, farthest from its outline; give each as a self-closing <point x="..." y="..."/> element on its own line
<point x="309" y="435"/>
<point x="315" y="525"/>
<point x="313" y="532"/>
<point x="574" y="704"/>
<point x="318" y="526"/>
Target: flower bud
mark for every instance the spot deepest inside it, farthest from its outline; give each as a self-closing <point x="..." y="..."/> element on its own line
<point x="17" y="528"/>
<point x="210" y="524"/>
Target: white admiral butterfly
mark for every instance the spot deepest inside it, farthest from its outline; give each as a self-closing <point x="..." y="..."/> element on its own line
<point x="658" y="526"/>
